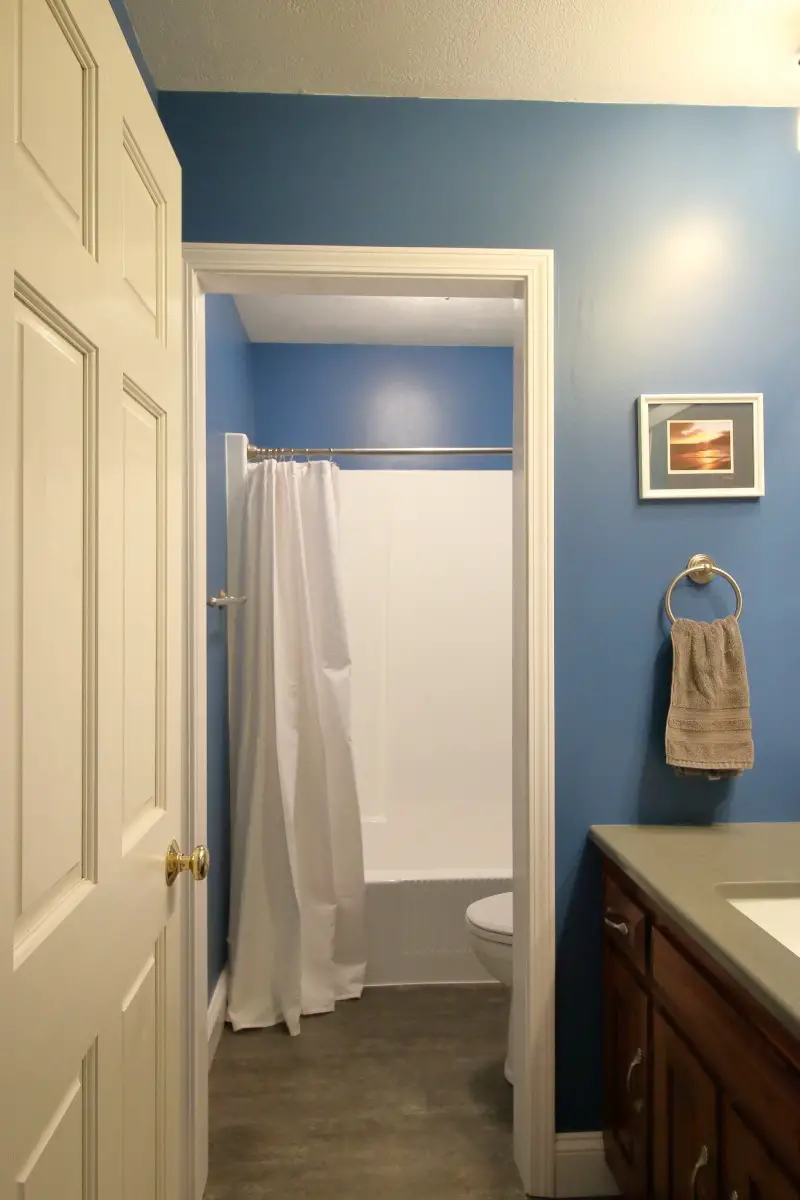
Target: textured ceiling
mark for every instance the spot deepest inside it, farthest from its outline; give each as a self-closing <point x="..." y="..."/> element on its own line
<point x="386" y="320"/>
<point x="662" y="51"/>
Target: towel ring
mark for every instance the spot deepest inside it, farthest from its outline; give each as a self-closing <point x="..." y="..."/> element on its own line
<point x="702" y="569"/>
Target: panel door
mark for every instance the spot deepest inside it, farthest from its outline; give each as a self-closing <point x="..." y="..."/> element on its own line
<point x="91" y="467"/>
<point x="750" y="1172"/>
<point x="685" y="1160"/>
<point x="625" y="1076"/>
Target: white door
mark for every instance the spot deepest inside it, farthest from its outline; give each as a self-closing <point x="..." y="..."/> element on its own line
<point x="91" y="627"/>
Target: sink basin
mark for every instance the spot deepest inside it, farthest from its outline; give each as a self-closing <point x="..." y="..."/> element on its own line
<point x="775" y="907"/>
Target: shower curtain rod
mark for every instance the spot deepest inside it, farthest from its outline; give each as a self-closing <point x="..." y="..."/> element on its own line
<point x="258" y="452"/>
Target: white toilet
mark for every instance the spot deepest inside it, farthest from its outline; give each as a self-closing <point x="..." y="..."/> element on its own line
<point x="490" y="930"/>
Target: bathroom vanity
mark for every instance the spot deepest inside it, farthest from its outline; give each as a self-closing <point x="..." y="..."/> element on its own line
<point x="702" y="1011"/>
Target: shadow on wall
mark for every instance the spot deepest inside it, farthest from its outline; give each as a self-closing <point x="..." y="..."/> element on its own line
<point x="579" y="903"/>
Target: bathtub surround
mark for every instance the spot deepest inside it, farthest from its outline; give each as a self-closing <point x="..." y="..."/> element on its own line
<point x="415" y="927"/>
<point x="228" y="406"/>
<point x="676" y="237"/>
<point x="426" y="573"/>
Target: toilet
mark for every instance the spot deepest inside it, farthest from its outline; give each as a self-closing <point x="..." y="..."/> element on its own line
<point x="490" y="930"/>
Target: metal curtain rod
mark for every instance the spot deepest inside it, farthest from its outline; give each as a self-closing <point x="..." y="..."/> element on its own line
<point x="257" y="452"/>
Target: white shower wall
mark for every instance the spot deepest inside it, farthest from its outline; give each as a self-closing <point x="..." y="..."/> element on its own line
<point x="426" y="558"/>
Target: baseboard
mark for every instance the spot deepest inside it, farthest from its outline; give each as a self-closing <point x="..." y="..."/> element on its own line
<point x="217" y="1008"/>
<point x="581" y="1169"/>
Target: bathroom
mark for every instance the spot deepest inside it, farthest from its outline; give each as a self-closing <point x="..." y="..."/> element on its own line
<point x="674" y="278"/>
<point x="629" y="174"/>
<point x="422" y="554"/>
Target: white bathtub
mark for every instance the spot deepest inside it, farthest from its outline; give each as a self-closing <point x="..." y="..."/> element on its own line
<point x="415" y="925"/>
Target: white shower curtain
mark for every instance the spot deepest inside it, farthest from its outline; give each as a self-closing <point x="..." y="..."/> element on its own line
<point x="297" y="942"/>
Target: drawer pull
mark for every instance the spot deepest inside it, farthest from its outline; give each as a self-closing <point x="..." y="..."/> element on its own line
<point x="636" y="1061"/>
<point x="702" y="1161"/>
<point x="619" y="926"/>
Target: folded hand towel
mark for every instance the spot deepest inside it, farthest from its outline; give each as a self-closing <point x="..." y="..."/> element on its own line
<point x="708" y="727"/>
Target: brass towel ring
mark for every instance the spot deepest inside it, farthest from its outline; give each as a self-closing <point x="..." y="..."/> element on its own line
<point x="702" y="569"/>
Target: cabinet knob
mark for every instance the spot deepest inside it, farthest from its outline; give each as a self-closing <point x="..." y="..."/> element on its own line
<point x="702" y="1161"/>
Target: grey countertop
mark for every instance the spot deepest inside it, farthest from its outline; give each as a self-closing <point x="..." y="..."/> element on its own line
<point x="682" y="869"/>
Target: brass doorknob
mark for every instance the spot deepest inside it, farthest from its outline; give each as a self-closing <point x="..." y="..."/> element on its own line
<point x="198" y="862"/>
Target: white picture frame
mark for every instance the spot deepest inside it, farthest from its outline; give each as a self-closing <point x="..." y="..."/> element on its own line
<point x="718" y="482"/>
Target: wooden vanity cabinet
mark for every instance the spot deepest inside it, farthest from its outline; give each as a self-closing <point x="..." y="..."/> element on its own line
<point x="685" y="1149"/>
<point x="626" y="1058"/>
<point x="701" y="1086"/>
<point x="750" y="1173"/>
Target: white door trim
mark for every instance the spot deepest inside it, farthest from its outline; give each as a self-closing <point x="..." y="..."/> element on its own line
<point x="527" y="274"/>
<point x="195" y="941"/>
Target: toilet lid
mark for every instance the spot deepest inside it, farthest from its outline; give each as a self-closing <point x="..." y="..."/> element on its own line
<point x="494" y="914"/>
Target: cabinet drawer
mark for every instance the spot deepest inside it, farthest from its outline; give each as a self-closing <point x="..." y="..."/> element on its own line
<point x="625" y="923"/>
<point x="761" y="1084"/>
<point x="685" y="1149"/>
<point x="749" y="1168"/>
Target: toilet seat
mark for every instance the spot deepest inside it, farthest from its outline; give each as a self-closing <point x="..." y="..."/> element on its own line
<point x="492" y="918"/>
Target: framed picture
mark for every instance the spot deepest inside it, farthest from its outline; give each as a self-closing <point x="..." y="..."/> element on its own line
<point x="701" y="447"/>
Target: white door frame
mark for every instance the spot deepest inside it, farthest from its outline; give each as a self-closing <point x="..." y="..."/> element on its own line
<point x="528" y="275"/>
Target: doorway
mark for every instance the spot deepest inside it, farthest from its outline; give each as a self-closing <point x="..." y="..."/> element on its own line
<point x="527" y="277"/>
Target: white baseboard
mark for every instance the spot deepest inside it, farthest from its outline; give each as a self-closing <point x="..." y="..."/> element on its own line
<point x="217" y="1008"/>
<point x="581" y="1166"/>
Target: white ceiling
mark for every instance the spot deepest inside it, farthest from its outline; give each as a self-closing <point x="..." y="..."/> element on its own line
<point x="385" y="320"/>
<point x="661" y="51"/>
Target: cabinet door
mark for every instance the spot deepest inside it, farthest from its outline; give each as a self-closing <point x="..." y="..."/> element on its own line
<point x="750" y="1172"/>
<point x="684" y="1120"/>
<point x="626" y="1060"/>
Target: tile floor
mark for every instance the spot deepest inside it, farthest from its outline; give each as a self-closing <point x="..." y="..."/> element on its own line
<point x="400" y="1094"/>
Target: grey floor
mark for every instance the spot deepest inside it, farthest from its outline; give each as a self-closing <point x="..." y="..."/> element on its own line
<point x="400" y="1094"/>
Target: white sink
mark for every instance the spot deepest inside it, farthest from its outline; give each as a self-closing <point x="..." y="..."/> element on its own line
<point x="775" y="907"/>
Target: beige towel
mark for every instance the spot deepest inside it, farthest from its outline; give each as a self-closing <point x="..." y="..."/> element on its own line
<point x="708" y="727"/>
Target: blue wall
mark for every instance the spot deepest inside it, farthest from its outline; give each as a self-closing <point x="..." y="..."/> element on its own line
<point x="677" y="240"/>
<point x="131" y="37"/>
<point x="310" y="395"/>
<point x="229" y="409"/>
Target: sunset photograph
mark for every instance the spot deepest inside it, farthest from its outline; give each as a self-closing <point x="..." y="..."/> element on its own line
<point x="700" y="446"/>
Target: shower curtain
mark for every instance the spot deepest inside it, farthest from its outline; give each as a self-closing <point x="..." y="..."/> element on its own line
<point x="297" y="941"/>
